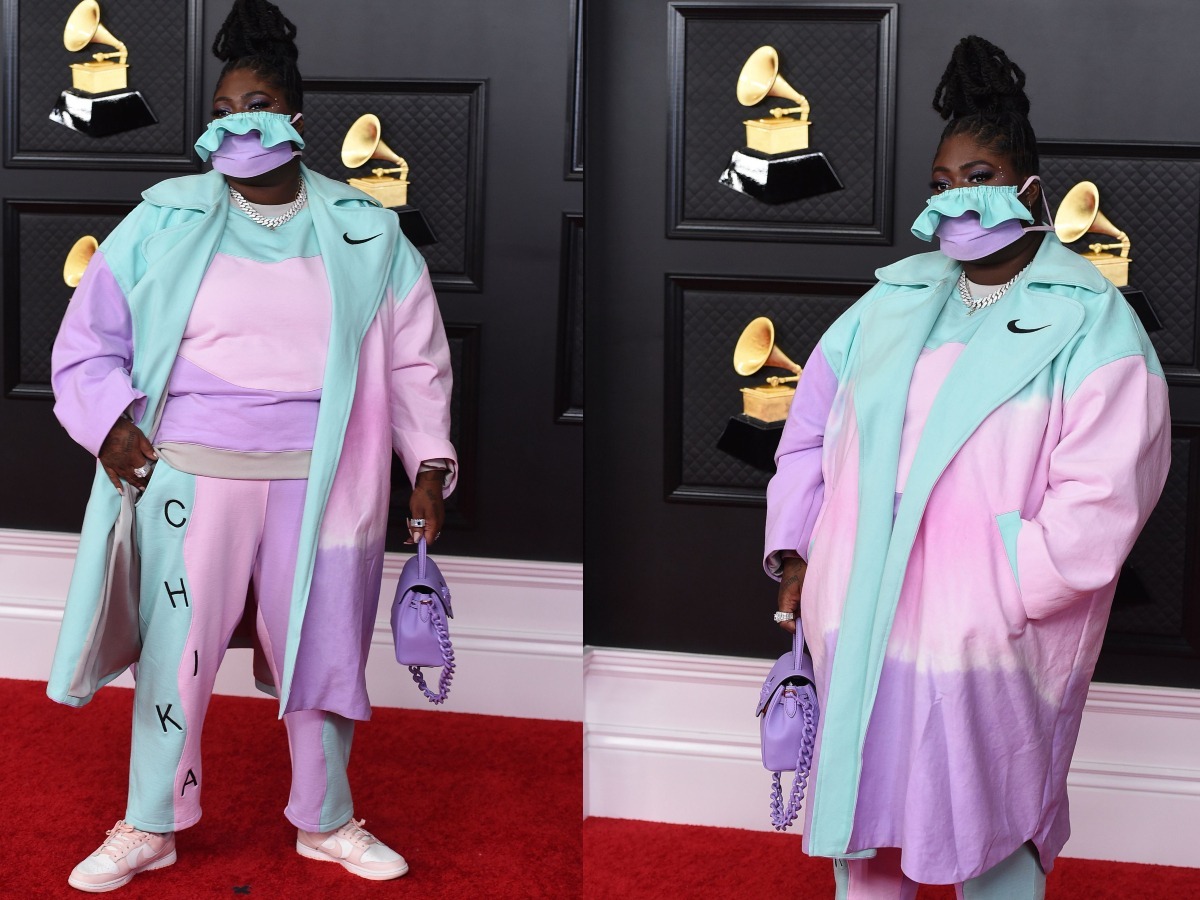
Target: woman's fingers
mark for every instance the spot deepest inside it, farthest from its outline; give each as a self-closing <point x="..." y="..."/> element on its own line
<point x="791" y="585"/>
<point x="145" y="447"/>
<point x="113" y="477"/>
<point x="127" y="454"/>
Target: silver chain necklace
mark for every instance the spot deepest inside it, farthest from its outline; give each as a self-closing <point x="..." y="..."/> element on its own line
<point x="974" y="304"/>
<point x="271" y="222"/>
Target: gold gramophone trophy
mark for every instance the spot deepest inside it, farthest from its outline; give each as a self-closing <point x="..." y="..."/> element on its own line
<point x="1079" y="214"/>
<point x="776" y="165"/>
<point x="363" y="143"/>
<point x="78" y="257"/>
<point x="99" y="101"/>
<point x="755" y="350"/>
<point x="753" y="436"/>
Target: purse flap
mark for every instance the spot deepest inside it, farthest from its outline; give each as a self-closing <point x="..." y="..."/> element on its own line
<point x="430" y="581"/>
<point x="784" y="673"/>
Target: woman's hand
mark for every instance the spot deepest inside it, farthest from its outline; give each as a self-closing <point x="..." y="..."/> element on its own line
<point x="791" y="583"/>
<point x="426" y="503"/>
<point x="125" y="448"/>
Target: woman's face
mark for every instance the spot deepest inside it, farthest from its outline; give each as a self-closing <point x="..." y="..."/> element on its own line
<point x="962" y="161"/>
<point x="244" y="90"/>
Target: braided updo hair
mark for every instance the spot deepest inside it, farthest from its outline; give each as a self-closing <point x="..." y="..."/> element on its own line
<point x="982" y="93"/>
<point x="257" y="36"/>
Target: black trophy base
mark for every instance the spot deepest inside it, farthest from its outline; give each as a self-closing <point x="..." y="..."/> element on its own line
<point x="752" y="441"/>
<point x="415" y="226"/>
<point x="780" y="177"/>
<point x="1137" y="298"/>
<point x="99" y="115"/>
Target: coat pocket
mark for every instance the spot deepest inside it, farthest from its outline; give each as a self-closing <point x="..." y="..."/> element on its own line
<point x="1009" y="524"/>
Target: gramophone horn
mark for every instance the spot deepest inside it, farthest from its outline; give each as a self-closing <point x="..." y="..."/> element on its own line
<point x="78" y="258"/>
<point x="83" y="28"/>
<point x="760" y="79"/>
<point x="362" y="143"/>
<point x="1079" y="214"/>
<point x="756" y="349"/>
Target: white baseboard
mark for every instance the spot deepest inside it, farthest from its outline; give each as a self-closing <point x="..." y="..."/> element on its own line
<point x="517" y="631"/>
<point x="671" y="737"/>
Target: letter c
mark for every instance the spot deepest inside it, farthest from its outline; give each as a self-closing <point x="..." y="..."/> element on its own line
<point x="167" y="514"/>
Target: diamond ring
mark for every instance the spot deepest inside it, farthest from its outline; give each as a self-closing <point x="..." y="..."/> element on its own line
<point x="416" y="523"/>
<point x="781" y="616"/>
<point x="141" y="471"/>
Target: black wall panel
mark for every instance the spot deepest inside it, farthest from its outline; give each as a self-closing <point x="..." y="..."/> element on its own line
<point x="700" y="585"/>
<point x="522" y="486"/>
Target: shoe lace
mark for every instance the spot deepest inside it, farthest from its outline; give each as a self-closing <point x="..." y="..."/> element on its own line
<point x="354" y="832"/>
<point x="121" y="838"/>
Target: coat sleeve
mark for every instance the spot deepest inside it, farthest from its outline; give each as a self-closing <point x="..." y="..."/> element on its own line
<point x="795" y="493"/>
<point x="421" y="380"/>
<point x="1106" y="474"/>
<point x="92" y="358"/>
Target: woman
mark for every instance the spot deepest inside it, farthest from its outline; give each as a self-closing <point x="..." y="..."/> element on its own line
<point x="261" y="338"/>
<point x="970" y="455"/>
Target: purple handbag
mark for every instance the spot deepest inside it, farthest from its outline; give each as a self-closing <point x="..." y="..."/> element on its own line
<point x="419" y="615"/>
<point x="787" y="707"/>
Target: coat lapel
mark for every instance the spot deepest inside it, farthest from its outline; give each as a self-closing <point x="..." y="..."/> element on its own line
<point x="892" y="335"/>
<point x="357" y="239"/>
<point x="176" y="260"/>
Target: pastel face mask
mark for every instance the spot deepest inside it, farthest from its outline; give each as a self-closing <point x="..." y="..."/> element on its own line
<point x="976" y="221"/>
<point x="246" y="144"/>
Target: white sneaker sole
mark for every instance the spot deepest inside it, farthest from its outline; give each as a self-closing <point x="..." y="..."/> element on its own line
<point x="321" y="856"/>
<point x="92" y="888"/>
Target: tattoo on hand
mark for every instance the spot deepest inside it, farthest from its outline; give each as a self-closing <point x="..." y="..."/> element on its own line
<point x="790" y="580"/>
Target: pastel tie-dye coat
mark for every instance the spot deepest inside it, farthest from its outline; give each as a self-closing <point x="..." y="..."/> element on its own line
<point x="386" y="387"/>
<point x="965" y="511"/>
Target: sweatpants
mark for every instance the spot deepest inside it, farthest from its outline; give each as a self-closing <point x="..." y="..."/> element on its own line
<point x="1017" y="877"/>
<point x="203" y="542"/>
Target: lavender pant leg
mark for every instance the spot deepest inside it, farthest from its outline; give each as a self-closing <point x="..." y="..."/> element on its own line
<point x="319" y="741"/>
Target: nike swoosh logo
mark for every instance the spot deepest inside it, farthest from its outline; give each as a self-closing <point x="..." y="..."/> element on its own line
<point x="1016" y="329"/>
<point x="349" y="240"/>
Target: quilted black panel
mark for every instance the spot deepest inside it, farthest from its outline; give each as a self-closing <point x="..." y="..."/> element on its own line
<point x="432" y="130"/>
<point x="710" y="325"/>
<point x="42" y="241"/>
<point x="156" y="35"/>
<point x="833" y="63"/>
<point x="1150" y="595"/>
<point x="1154" y="201"/>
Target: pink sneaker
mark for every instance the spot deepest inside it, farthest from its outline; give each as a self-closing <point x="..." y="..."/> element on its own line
<point x="126" y="852"/>
<point x="356" y="849"/>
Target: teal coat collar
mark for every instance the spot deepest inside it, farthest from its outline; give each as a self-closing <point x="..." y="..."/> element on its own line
<point x="203" y="192"/>
<point x="1020" y="337"/>
<point x="1053" y="264"/>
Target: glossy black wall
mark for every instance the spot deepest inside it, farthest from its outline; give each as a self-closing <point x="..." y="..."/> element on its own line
<point x="671" y="575"/>
<point x="528" y="484"/>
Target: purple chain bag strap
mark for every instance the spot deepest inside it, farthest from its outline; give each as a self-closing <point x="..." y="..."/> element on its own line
<point x="787" y="710"/>
<point x="419" y="630"/>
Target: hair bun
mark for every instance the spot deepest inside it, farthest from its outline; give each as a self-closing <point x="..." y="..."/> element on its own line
<point x="980" y="79"/>
<point x="256" y="28"/>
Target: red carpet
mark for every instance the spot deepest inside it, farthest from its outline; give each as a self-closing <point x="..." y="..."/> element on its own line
<point x="481" y="806"/>
<point x="625" y="859"/>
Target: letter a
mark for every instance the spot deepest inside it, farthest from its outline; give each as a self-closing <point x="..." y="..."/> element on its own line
<point x="190" y="779"/>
